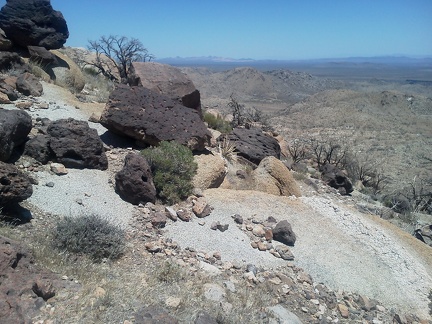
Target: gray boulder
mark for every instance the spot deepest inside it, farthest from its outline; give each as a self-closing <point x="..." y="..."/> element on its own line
<point x="134" y="183"/>
<point x="150" y="118"/>
<point x="15" y="186"/>
<point x="15" y="125"/>
<point x="76" y="145"/>
<point x="34" y="23"/>
<point x="283" y="233"/>
<point x="253" y="144"/>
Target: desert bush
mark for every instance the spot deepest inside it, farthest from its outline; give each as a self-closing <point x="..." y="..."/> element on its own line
<point x="97" y="84"/>
<point x="246" y="116"/>
<point x="227" y="149"/>
<point x="90" y="235"/>
<point x="173" y="168"/>
<point x="217" y="123"/>
<point x="327" y="151"/>
<point x="298" y="150"/>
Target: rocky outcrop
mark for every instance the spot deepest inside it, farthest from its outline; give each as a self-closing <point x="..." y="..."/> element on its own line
<point x="76" y="145"/>
<point x="211" y="171"/>
<point x="134" y="183"/>
<point x="15" y="125"/>
<point x="166" y="80"/>
<point x="253" y="144"/>
<point x="5" y="43"/>
<point x="284" y="233"/>
<point x="273" y="177"/>
<point x="40" y="55"/>
<point x="12" y="61"/>
<point x="24" y="287"/>
<point x="337" y="179"/>
<point x="29" y="85"/>
<point x="150" y="118"/>
<point x="34" y="23"/>
<point x="15" y="186"/>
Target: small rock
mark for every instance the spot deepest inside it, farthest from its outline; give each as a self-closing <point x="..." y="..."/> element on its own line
<point x="343" y="310"/>
<point x="222" y="227"/>
<point x="275" y="281"/>
<point x="58" y="168"/>
<point x="258" y="230"/>
<point x="99" y="292"/>
<point x="173" y="302"/>
<point x="201" y="208"/>
<point x="251" y="268"/>
<point x="171" y="213"/>
<point x="238" y="219"/>
<point x="49" y="184"/>
<point x="184" y="215"/>
<point x="214" y="226"/>
<point x="262" y="246"/>
<point x="159" y="220"/>
<point x="214" y="292"/>
<point x="268" y="235"/>
<point x="284" y="252"/>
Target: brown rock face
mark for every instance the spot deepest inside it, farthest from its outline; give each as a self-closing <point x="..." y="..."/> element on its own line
<point x="29" y="85"/>
<point x="166" y="80"/>
<point x="150" y="118"/>
<point x="15" y="186"/>
<point x="33" y="22"/>
<point x="24" y="288"/>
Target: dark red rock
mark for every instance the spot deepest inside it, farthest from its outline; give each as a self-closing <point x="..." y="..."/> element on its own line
<point x="283" y="233"/>
<point x="134" y="183"/>
<point x="15" y="125"/>
<point x="76" y="145"/>
<point x="253" y="144"/>
<point x="29" y="85"/>
<point x="337" y="179"/>
<point x="15" y="186"/>
<point x="166" y="80"/>
<point x="150" y="118"/>
<point x="33" y="22"/>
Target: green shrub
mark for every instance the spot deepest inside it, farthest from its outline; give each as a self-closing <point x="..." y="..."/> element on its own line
<point x="217" y="123"/>
<point x="173" y="168"/>
<point x="91" y="235"/>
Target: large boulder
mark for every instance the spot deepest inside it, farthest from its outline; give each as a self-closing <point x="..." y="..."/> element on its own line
<point x="15" y="186"/>
<point x="166" y="80"/>
<point x="29" y="85"/>
<point x="336" y="178"/>
<point x="34" y="23"/>
<point x="8" y="88"/>
<point x="39" y="148"/>
<point x="150" y="118"/>
<point x="211" y="171"/>
<point x="253" y="144"/>
<point x="134" y="183"/>
<point x="272" y="176"/>
<point x="40" y="55"/>
<point x="15" y="125"/>
<point x="76" y="145"/>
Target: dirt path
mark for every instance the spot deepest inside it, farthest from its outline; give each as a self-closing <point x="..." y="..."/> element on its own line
<point x="337" y="245"/>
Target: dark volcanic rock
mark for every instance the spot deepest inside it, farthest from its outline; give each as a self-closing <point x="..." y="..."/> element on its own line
<point x="15" y="125"/>
<point x="76" y="145"/>
<point x="150" y="118"/>
<point x="284" y="233"/>
<point x="154" y="315"/>
<point x="15" y="186"/>
<point x="134" y="183"/>
<point x="12" y="61"/>
<point x="39" y="148"/>
<point x="335" y="178"/>
<point x="41" y="55"/>
<point x="166" y="80"/>
<point x="253" y="144"/>
<point x="29" y="85"/>
<point x="5" y="43"/>
<point x="34" y="23"/>
<point x="24" y="287"/>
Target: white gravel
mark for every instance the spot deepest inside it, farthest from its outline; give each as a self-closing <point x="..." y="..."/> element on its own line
<point x="339" y="247"/>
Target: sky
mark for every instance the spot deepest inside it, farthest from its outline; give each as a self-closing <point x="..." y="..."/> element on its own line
<point x="272" y="29"/>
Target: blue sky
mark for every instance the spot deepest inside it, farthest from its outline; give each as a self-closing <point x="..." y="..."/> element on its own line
<point x="273" y="29"/>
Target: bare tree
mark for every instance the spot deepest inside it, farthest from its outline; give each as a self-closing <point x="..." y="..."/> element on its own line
<point x="117" y="52"/>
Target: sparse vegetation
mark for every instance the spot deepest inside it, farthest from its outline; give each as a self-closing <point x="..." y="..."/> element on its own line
<point x="217" y="122"/>
<point x="90" y="235"/>
<point x="247" y="117"/>
<point x="227" y="149"/>
<point x="173" y="168"/>
<point x="117" y="52"/>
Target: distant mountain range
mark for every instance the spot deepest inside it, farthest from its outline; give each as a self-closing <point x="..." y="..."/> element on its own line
<point x="212" y="60"/>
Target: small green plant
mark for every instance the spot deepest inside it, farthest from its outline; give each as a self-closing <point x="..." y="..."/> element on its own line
<point x="173" y="168"/>
<point x="170" y="272"/>
<point x="227" y="150"/>
<point x="217" y="122"/>
<point x="91" y="235"/>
